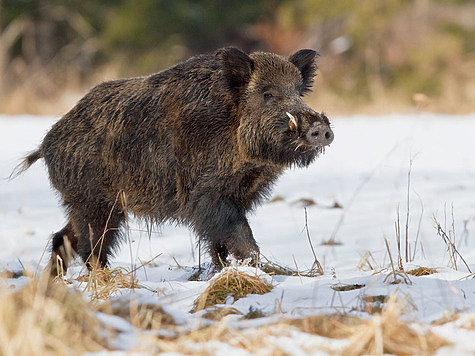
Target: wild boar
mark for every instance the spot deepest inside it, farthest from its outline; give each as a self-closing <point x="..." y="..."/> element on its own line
<point x="200" y="144"/>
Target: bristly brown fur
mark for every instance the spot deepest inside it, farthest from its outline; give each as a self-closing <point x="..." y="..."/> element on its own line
<point x="200" y="143"/>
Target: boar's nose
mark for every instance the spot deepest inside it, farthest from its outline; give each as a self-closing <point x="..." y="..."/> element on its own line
<point x="320" y="135"/>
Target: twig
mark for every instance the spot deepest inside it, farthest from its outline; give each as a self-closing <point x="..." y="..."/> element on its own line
<point x="143" y="264"/>
<point x="123" y="202"/>
<point x="298" y="272"/>
<point x="451" y="246"/>
<point x="43" y="254"/>
<point x="398" y="240"/>
<point x="360" y="186"/>
<point x="418" y="226"/>
<point x="315" y="259"/>
<point x="401" y="273"/>
<point x="407" y="209"/>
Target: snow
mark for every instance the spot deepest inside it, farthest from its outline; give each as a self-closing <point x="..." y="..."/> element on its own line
<point x="365" y="171"/>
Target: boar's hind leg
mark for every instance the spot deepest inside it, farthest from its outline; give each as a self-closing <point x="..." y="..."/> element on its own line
<point x="64" y="245"/>
<point x="224" y="228"/>
<point x="98" y="230"/>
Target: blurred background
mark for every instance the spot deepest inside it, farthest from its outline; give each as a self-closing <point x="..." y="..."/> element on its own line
<point x="376" y="56"/>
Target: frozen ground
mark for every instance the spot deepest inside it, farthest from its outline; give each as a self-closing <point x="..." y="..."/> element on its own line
<point x="365" y="171"/>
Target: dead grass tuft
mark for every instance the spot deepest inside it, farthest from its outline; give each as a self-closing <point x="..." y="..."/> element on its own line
<point x="340" y="287"/>
<point x="468" y="323"/>
<point x="335" y="326"/>
<point x="273" y="268"/>
<point x="276" y="199"/>
<point x="254" y="313"/>
<point x="367" y="262"/>
<point x="45" y="318"/>
<point x="200" y="342"/>
<point x="448" y="317"/>
<point x="374" y="303"/>
<point x="305" y="202"/>
<point x="422" y="271"/>
<point x="387" y="333"/>
<point x="331" y="242"/>
<point x="5" y="273"/>
<point x="143" y="316"/>
<point x="384" y="333"/>
<point x="103" y="282"/>
<point x="217" y="313"/>
<point x="231" y="282"/>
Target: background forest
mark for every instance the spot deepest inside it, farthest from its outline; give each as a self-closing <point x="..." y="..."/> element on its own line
<point x="376" y="55"/>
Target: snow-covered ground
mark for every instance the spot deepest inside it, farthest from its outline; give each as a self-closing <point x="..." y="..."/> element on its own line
<point x="365" y="171"/>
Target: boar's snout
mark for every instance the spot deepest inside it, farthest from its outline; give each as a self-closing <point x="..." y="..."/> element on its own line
<point x="320" y="135"/>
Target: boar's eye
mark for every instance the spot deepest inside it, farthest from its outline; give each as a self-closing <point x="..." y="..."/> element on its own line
<point x="268" y="95"/>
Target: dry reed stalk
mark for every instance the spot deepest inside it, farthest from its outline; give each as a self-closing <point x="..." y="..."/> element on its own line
<point x="395" y="273"/>
<point x="231" y="282"/>
<point x="451" y="248"/>
<point x="316" y="265"/>
<point x="365" y="261"/>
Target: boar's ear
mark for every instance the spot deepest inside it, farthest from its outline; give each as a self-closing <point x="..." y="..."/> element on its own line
<point x="305" y="61"/>
<point x="237" y="67"/>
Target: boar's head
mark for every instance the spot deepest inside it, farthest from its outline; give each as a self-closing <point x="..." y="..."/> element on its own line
<point x="275" y="123"/>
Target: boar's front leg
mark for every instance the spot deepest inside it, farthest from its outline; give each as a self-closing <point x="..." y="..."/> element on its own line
<point x="224" y="228"/>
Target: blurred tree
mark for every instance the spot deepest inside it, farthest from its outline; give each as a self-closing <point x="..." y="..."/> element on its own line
<point x="198" y="26"/>
<point x="40" y="38"/>
<point x="368" y="47"/>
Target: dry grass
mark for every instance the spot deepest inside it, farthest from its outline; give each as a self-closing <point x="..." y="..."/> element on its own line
<point x="276" y="199"/>
<point x="346" y="287"/>
<point x="204" y="341"/>
<point x="388" y="333"/>
<point x="273" y="268"/>
<point x="45" y="318"/>
<point x="468" y="323"/>
<point x="367" y="262"/>
<point x="335" y="326"/>
<point x="449" y="239"/>
<point x="103" y="282"/>
<point x="305" y="202"/>
<point x="231" y="282"/>
<point x="5" y="273"/>
<point x="373" y="304"/>
<point x="217" y="313"/>
<point x="384" y="333"/>
<point x="142" y="316"/>
<point x="421" y="271"/>
<point x="448" y="317"/>
<point x="398" y="275"/>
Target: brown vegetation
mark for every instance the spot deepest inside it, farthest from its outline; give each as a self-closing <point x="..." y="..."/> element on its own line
<point x="44" y="319"/>
<point x="230" y="283"/>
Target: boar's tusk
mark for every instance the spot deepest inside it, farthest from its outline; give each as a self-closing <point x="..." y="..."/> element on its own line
<point x="292" y="122"/>
<point x="298" y="146"/>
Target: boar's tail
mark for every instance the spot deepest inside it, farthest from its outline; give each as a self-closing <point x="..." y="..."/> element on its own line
<point x="25" y="164"/>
